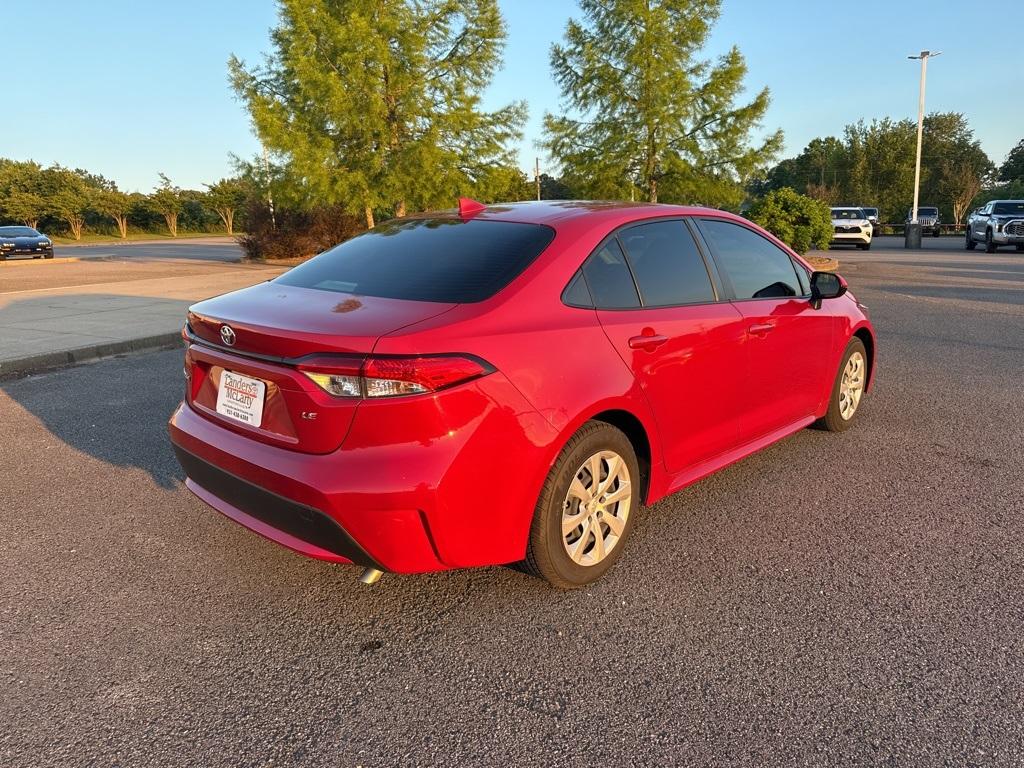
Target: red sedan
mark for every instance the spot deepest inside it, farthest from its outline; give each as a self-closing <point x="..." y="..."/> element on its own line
<point x="509" y="384"/>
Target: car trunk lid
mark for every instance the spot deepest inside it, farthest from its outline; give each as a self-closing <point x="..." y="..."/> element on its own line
<point x="271" y="328"/>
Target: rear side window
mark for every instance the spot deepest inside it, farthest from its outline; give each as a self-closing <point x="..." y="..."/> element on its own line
<point x="444" y="260"/>
<point x="611" y="284"/>
<point x="756" y="267"/>
<point x="668" y="268"/>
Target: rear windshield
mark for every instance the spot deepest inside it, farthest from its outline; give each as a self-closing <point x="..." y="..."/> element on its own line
<point x="445" y="260"/>
<point x="1008" y="209"/>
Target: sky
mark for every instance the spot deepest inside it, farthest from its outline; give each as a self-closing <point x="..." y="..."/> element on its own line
<point x="133" y="88"/>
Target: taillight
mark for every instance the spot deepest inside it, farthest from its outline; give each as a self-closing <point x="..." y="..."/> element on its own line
<point x="392" y="376"/>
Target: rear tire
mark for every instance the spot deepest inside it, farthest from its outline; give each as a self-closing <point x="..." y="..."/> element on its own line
<point x="848" y="389"/>
<point x="568" y="555"/>
<point x="990" y="246"/>
<point x="937" y="232"/>
<point x="1020" y="246"/>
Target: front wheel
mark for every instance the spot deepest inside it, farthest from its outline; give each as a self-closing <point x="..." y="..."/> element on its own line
<point x="586" y="508"/>
<point x="990" y="245"/>
<point x="969" y="243"/>
<point x="848" y="389"/>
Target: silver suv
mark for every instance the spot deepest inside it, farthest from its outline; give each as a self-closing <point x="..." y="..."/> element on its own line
<point x="998" y="222"/>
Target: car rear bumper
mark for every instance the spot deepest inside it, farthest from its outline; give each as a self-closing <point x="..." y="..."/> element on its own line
<point x="296" y="526"/>
<point x="413" y="488"/>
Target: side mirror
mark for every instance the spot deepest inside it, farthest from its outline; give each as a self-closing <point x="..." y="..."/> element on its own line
<point x="826" y="285"/>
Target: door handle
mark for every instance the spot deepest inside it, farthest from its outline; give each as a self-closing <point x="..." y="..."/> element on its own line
<point x="647" y="341"/>
<point x="760" y="329"/>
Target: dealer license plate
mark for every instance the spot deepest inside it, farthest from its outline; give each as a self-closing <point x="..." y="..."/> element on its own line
<point x="241" y="398"/>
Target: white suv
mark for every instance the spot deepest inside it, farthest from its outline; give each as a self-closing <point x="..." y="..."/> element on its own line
<point x="851" y="227"/>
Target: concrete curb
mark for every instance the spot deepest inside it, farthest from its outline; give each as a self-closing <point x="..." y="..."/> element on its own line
<point x="56" y="260"/>
<point x="199" y="240"/>
<point x="48" y="361"/>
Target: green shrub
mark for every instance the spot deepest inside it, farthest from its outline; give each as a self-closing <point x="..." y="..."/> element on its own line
<point x="797" y="220"/>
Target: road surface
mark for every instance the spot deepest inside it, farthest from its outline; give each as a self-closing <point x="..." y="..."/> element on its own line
<point x="847" y="599"/>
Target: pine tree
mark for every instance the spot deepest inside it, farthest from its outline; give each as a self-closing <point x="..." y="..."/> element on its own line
<point x="646" y="112"/>
<point x="375" y="104"/>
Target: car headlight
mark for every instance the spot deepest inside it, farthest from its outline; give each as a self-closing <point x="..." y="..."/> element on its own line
<point x="7" y="245"/>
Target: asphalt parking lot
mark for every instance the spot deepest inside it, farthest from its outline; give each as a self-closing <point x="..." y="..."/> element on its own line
<point x="833" y="600"/>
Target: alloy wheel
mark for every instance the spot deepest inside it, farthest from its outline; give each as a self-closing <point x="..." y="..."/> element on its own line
<point x="851" y="388"/>
<point x="596" y="508"/>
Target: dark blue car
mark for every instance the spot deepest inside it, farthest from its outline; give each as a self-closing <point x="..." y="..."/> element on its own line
<point x="24" y="241"/>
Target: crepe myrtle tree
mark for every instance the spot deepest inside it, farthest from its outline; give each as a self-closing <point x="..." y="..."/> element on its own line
<point x="377" y="105"/>
<point x="166" y="200"/>
<point x="69" y="197"/>
<point x="115" y="204"/>
<point x="225" y="198"/>
<point x="644" y="113"/>
<point x="21" y="192"/>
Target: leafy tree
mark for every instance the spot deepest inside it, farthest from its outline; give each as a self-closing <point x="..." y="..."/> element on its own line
<point x="797" y="220"/>
<point x="21" y="192"/>
<point x="554" y="189"/>
<point x="166" y="200"/>
<point x="376" y="105"/>
<point x="225" y="197"/>
<point x="645" y="112"/>
<point x="115" y="204"/>
<point x="70" y="197"/>
<point x="1012" y="168"/>
<point x="26" y="207"/>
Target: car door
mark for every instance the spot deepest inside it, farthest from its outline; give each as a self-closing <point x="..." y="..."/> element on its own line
<point x="979" y="223"/>
<point x="788" y="342"/>
<point x="659" y="306"/>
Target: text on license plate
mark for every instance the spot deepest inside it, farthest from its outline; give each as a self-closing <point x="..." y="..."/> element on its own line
<point x="241" y="398"/>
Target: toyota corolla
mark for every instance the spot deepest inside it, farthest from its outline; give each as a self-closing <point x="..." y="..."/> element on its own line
<point x="509" y="384"/>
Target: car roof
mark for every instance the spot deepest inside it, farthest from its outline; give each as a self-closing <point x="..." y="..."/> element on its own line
<point x="1002" y="201"/>
<point x="555" y="212"/>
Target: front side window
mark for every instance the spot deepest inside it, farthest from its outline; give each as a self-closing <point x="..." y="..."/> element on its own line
<point x="756" y="267"/>
<point x="608" y="277"/>
<point x="668" y="268"/>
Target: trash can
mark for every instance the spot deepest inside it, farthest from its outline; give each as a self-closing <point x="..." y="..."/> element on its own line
<point x="912" y="235"/>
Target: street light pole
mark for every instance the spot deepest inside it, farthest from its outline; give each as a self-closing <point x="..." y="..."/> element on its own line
<point x="913" y="234"/>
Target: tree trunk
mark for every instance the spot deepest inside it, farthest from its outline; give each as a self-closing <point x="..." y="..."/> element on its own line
<point x="369" y="217"/>
<point x="227" y="216"/>
<point x="122" y="224"/>
<point x="172" y="223"/>
<point x="76" y="223"/>
<point x="653" y="191"/>
<point x="400" y="209"/>
<point x="34" y="223"/>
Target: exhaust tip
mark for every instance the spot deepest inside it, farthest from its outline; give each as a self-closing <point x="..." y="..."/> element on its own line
<point x="371" y="576"/>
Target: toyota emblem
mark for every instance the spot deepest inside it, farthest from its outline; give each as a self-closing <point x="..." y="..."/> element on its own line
<point x="227" y="335"/>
